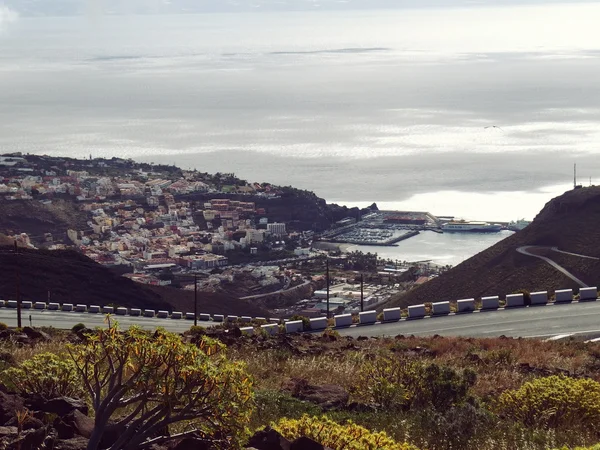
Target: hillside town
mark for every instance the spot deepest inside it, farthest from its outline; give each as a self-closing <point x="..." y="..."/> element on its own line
<point x="158" y="225"/>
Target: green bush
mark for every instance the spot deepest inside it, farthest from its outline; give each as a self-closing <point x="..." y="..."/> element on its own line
<point x="197" y="330"/>
<point x="3" y="326"/>
<point x="395" y="383"/>
<point x="165" y="386"/>
<point x="271" y="405"/>
<point x="78" y="327"/>
<point x="46" y="374"/>
<point x="554" y="402"/>
<point x="337" y="436"/>
<point x="305" y="321"/>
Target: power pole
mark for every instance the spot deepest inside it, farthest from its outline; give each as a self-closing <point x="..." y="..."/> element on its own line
<point x="327" y="281"/>
<point x="195" y="299"/>
<point x="362" y="292"/>
<point x="19" y="324"/>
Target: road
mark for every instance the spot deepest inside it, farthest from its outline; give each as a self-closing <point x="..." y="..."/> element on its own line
<point x="280" y="291"/>
<point x="539" y="321"/>
<point x="561" y="269"/>
<point x="66" y="320"/>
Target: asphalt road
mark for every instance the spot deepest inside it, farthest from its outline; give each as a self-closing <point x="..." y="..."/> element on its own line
<point x="579" y="319"/>
<point x="66" y="320"/>
<point x="561" y="269"/>
<point x="538" y="321"/>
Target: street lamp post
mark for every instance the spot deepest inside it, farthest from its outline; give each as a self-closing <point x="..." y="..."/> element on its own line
<point x="18" y="287"/>
<point x="327" y="282"/>
<point x="195" y="299"/>
<point x="362" y="292"/>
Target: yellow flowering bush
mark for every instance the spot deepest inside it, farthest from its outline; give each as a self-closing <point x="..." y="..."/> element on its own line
<point x="46" y="374"/>
<point x="337" y="436"/>
<point x="554" y="402"/>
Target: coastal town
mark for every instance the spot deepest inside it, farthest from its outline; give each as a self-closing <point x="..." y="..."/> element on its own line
<point x="158" y="225"/>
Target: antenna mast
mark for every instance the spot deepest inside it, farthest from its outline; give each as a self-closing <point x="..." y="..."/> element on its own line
<point x="575" y="176"/>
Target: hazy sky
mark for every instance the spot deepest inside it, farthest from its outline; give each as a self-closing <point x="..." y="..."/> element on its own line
<point x="358" y="106"/>
<point x="72" y="7"/>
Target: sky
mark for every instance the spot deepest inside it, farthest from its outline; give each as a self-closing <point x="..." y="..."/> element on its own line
<point x="76" y="7"/>
<point x="384" y="106"/>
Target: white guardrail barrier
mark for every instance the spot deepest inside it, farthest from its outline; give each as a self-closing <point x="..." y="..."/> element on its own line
<point x="274" y="326"/>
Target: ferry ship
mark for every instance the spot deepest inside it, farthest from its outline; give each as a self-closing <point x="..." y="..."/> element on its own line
<point x="473" y="227"/>
<point x="518" y="225"/>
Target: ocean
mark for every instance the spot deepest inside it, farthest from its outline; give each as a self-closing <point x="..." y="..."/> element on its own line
<point x="442" y="249"/>
<point x="475" y="111"/>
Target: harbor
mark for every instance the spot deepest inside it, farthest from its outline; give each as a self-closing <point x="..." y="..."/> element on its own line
<point x="389" y="228"/>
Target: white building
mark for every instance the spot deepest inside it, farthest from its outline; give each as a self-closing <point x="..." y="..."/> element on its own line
<point x="255" y="236"/>
<point x="278" y="229"/>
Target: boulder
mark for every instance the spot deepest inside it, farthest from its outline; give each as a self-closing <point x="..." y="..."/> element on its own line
<point x="73" y="425"/>
<point x="36" y="334"/>
<point x="9" y="405"/>
<point x="269" y="439"/>
<point x="63" y="406"/>
<point x="328" y="396"/>
<point x="77" y="443"/>
<point x="21" y="338"/>
<point x="8" y="432"/>
<point x="32" y="440"/>
<point x="190" y="443"/>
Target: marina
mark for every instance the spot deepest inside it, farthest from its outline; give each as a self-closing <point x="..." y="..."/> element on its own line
<point x="389" y="228"/>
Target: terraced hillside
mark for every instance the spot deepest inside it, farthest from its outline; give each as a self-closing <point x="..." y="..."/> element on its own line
<point x="568" y="222"/>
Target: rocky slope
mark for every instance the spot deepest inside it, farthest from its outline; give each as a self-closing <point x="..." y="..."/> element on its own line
<point x="568" y="222"/>
<point x="73" y="278"/>
<point x="35" y="218"/>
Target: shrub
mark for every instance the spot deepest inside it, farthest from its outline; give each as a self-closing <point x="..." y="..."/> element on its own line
<point x="46" y="374"/>
<point x="442" y="387"/>
<point x="330" y="332"/>
<point x="401" y="384"/>
<point x="554" y="402"/>
<point x="3" y="326"/>
<point x="271" y="405"/>
<point x="78" y="327"/>
<point x="197" y="330"/>
<point x="305" y="321"/>
<point x="456" y="427"/>
<point x="337" y="436"/>
<point x="158" y="388"/>
<point x="385" y="382"/>
<point x="526" y="296"/>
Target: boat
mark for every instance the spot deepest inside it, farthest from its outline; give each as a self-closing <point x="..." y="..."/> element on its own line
<point x="518" y="225"/>
<point x="473" y="227"/>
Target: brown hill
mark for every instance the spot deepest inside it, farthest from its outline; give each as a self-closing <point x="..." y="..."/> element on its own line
<point x="35" y="218"/>
<point x="73" y="278"/>
<point x="569" y="222"/>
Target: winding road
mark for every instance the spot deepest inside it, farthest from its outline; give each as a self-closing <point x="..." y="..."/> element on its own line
<point x="525" y="250"/>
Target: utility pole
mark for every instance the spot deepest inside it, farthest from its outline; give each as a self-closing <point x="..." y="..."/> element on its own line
<point x="327" y="281"/>
<point x="195" y="299"/>
<point x="362" y="292"/>
<point x="19" y="324"/>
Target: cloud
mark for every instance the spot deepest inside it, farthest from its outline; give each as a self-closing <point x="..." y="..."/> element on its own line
<point x="7" y="15"/>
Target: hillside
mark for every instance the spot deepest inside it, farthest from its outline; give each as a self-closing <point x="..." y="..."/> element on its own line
<point x="568" y="222"/>
<point x="73" y="278"/>
<point x="35" y="218"/>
